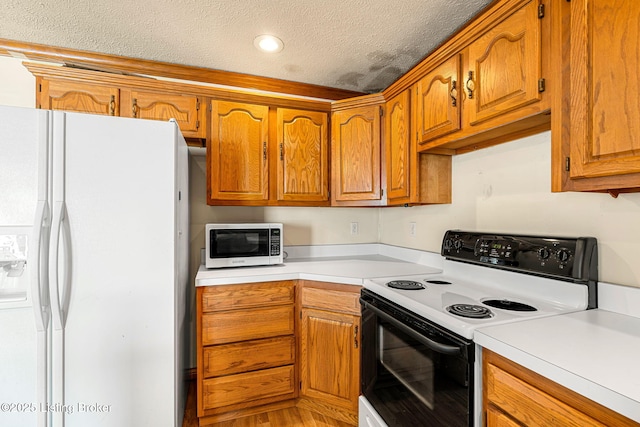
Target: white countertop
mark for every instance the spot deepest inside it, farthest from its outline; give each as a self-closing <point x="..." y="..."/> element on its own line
<point x="351" y="270"/>
<point x="595" y="353"/>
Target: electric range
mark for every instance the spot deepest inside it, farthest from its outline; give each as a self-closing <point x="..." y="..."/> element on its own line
<point x="417" y="330"/>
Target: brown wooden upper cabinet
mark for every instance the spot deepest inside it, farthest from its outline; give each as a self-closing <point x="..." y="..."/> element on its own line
<point x="601" y="151"/>
<point x="502" y="69"/>
<point x="261" y="155"/>
<point x="185" y="109"/>
<point x="356" y="152"/>
<point x="78" y="97"/>
<point x="438" y="101"/>
<point x="490" y="85"/>
<point x="113" y="100"/>
<point x="238" y="169"/>
<point x="303" y="155"/>
<point x="412" y="177"/>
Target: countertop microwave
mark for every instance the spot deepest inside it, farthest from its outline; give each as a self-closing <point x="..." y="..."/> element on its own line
<point x="239" y="245"/>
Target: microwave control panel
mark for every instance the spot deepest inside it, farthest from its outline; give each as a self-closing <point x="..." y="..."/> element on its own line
<point x="274" y="241"/>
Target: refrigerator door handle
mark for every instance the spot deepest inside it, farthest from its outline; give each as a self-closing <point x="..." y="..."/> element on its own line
<point x="38" y="261"/>
<point x="39" y="257"/>
<point x="60" y="290"/>
<point x="60" y="295"/>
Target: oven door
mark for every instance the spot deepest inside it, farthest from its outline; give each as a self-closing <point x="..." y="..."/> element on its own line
<point x="414" y="372"/>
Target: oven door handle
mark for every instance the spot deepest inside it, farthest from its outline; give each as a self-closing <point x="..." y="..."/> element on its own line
<point x="433" y="345"/>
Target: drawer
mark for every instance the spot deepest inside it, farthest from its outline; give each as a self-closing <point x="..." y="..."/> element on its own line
<point x="247" y="356"/>
<point x="251" y="386"/>
<point x="332" y="300"/>
<point x="231" y="297"/>
<point x="242" y="325"/>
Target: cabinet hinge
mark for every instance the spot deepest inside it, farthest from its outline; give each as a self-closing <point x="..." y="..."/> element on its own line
<point x="210" y="107"/>
<point x="197" y="124"/>
<point x="197" y="104"/>
<point x="381" y="111"/>
<point x="382" y="192"/>
<point x="540" y="11"/>
<point x="542" y="84"/>
<point x="567" y="164"/>
<point x="39" y="88"/>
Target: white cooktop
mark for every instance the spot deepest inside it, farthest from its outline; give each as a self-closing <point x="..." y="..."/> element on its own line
<point x="471" y="284"/>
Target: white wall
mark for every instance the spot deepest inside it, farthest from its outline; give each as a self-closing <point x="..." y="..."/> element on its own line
<point x="302" y="226"/>
<point x="504" y="188"/>
<point x="17" y="85"/>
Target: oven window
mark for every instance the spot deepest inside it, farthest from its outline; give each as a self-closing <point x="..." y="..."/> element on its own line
<point x="239" y="243"/>
<point x="409" y="384"/>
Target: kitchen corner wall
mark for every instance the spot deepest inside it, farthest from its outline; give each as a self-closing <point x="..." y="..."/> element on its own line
<point x="505" y="188"/>
<point x="302" y="225"/>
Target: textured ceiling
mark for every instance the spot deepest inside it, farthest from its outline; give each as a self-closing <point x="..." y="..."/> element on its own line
<point x="361" y="45"/>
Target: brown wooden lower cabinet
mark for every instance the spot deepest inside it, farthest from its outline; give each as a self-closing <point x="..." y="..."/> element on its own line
<point x="329" y="336"/>
<point x="268" y="345"/>
<point x="516" y="396"/>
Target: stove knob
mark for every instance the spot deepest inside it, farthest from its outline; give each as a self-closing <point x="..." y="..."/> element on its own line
<point x="457" y="245"/>
<point x="543" y="253"/>
<point x="447" y="244"/>
<point x="563" y="255"/>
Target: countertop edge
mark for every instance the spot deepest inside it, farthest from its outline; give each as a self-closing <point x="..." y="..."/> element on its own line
<point x="562" y="375"/>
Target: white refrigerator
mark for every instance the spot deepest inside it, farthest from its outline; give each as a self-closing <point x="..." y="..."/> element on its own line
<point x="93" y="270"/>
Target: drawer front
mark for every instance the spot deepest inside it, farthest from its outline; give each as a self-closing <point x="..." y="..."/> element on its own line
<point x="327" y="299"/>
<point x="231" y="297"/>
<point x="243" y="325"/>
<point x="528" y="404"/>
<point x="247" y="356"/>
<point x="241" y="388"/>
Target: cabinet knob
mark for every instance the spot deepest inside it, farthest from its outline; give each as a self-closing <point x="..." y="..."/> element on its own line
<point x="134" y="107"/>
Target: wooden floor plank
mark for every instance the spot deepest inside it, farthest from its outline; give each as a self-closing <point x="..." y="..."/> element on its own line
<point x="288" y="417"/>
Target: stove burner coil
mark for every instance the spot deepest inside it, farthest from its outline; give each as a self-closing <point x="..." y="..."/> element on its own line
<point x="438" y="282"/>
<point x="506" y="304"/>
<point x="407" y="285"/>
<point x="470" y="310"/>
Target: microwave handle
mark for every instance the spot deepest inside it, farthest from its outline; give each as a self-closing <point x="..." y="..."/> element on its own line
<point x="433" y="345"/>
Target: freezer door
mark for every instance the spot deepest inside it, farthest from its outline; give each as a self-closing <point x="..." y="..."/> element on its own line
<point x="113" y="272"/>
<point x="24" y="222"/>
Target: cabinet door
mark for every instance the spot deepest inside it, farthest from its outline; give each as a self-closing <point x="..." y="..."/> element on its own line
<point x="185" y="109"/>
<point x="401" y="152"/>
<point x="330" y="358"/>
<point x="504" y="67"/>
<point x="355" y="154"/>
<point x="437" y="104"/>
<point x="605" y="118"/>
<point x="79" y="97"/>
<point x="237" y="158"/>
<point x="303" y="165"/>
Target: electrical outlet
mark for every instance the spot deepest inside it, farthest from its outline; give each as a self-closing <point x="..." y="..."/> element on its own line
<point x="412" y="229"/>
<point x="354" y="228"/>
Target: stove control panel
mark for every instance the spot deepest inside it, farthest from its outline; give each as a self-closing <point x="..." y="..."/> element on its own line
<point x="574" y="259"/>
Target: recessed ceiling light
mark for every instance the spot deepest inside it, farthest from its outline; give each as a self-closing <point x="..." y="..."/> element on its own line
<point x="267" y="43"/>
